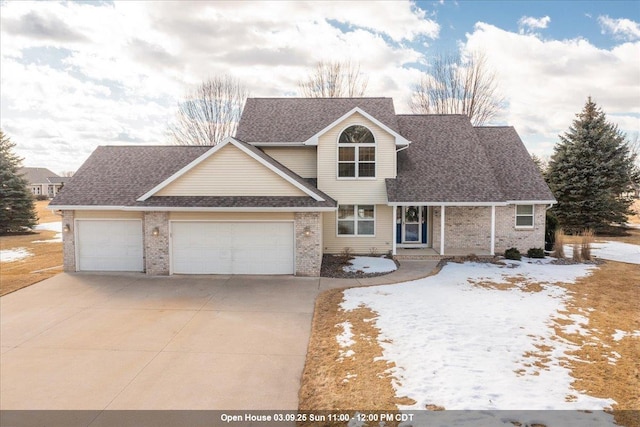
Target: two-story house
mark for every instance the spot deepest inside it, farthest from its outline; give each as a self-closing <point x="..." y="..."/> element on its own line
<point x="301" y="178"/>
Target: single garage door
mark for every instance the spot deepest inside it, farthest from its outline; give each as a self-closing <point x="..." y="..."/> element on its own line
<point x="232" y="247"/>
<point x="109" y="245"/>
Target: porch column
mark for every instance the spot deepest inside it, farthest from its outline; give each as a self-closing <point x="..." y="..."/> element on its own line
<point x="442" y="230"/>
<point x="493" y="230"/>
<point x="395" y="229"/>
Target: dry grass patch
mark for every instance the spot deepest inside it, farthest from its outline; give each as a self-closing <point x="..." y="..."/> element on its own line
<point x="608" y="368"/>
<point x="45" y="256"/>
<point x="334" y="381"/>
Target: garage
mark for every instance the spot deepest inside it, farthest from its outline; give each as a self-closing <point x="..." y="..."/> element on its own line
<point x="109" y="245"/>
<point x="202" y="247"/>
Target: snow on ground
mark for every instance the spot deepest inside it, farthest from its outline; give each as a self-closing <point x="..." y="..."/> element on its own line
<point x="9" y="255"/>
<point x="614" y="251"/>
<point x="370" y="265"/>
<point x="466" y="346"/>
<point x="50" y="226"/>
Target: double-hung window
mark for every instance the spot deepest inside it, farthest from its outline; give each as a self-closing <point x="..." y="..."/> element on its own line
<point x="356" y="153"/>
<point x="356" y="220"/>
<point x="524" y="216"/>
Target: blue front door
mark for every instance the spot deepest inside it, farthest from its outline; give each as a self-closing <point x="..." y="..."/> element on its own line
<point x="412" y="224"/>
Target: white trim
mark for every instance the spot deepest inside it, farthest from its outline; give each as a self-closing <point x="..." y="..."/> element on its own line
<point x="355" y="220"/>
<point x="493" y="231"/>
<point x="442" y="209"/>
<point x="533" y="217"/>
<point x="395" y="230"/>
<point x="192" y="209"/>
<point x="400" y="140"/>
<point x="508" y="202"/>
<point x="436" y="204"/>
<point x="532" y="202"/>
<point x="215" y="149"/>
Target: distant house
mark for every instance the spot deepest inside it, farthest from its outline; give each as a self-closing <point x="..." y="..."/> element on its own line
<point x="42" y="181"/>
<point x="303" y="178"/>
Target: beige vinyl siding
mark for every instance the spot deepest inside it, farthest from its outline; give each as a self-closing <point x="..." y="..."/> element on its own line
<point x="231" y="216"/>
<point x="230" y="172"/>
<point x="382" y="241"/>
<point x="107" y="215"/>
<point x="362" y="190"/>
<point x="301" y="160"/>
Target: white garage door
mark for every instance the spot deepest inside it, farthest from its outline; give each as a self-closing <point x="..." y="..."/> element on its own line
<point x="109" y="245"/>
<point x="232" y="247"/>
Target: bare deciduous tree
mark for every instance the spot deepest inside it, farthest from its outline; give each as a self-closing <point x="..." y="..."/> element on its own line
<point x="459" y="85"/>
<point x="209" y="113"/>
<point x="334" y="79"/>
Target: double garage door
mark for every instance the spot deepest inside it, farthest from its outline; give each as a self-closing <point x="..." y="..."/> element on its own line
<point x="232" y="247"/>
<point x="196" y="247"/>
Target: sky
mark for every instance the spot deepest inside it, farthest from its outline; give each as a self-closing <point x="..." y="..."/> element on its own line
<point x="81" y="74"/>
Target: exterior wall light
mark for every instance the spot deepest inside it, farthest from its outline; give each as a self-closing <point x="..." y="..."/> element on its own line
<point x="66" y="228"/>
<point x="155" y="231"/>
<point x="307" y="231"/>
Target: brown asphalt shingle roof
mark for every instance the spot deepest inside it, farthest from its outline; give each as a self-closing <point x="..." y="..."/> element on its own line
<point x="298" y="119"/>
<point x="512" y="166"/>
<point x="119" y="175"/>
<point x="450" y="161"/>
<point x="41" y="176"/>
<point x="444" y="163"/>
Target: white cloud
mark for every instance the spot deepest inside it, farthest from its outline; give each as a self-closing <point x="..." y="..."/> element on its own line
<point x="624" y="29"/>
<point x="120" y="68"/>
<point x="529" y="23"/>
<point x="547" y="82"/>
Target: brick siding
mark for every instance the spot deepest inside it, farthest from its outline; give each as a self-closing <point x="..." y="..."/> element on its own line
<point x="308" y="248"/>
<point x="68" y="242"/>
<point x="156" y="248"/>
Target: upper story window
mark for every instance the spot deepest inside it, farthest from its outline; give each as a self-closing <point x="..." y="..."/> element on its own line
<point x="356" y="153"/>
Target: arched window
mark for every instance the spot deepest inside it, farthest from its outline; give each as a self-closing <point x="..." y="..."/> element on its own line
<point x="356" y="153"/>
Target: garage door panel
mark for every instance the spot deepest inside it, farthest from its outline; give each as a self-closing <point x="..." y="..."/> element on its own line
<point x="232" y="247"/>
<point x="109" y="245"/>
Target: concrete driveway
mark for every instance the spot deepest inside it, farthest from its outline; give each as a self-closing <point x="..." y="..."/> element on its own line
<point x="83" y="341"/>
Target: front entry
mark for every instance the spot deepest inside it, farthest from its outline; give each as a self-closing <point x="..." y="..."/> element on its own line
<point x="412" y="225"/>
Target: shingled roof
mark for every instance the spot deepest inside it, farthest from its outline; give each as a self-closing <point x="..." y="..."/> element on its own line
<point x="41" y="176"/>
<point x="512" y="166"/>
<point x="119" y="175"/>
<point x="295" y="120"/>
<point x="450" y="161"/>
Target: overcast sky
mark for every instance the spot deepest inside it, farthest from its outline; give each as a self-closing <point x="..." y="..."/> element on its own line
<point x="78" y="75"/>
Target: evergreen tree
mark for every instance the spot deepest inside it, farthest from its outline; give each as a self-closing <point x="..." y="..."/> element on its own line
<point x="589" y="171"/>
<point x="17" y="209"/>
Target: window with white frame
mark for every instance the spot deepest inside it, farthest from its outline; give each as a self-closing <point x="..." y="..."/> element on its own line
<point x="356" y="153"/>
<point x="524" y="216"/>
<point x="356" y="220"/>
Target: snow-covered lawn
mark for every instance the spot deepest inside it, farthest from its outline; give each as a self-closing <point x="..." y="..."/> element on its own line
<point x="9" y="255"/>
<point x="614" y="251"/>
<point x="369" y="264"/>
<point x="50" y="226"/>
<point x="459" y="342"/>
